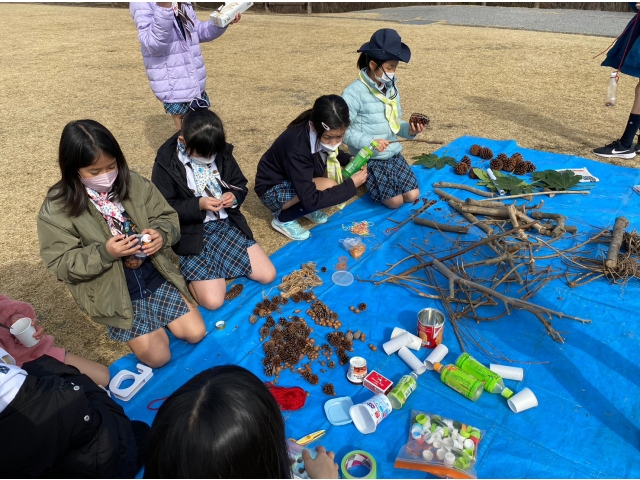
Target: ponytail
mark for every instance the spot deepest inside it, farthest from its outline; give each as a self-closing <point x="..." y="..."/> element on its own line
<point x="329" y="112"/>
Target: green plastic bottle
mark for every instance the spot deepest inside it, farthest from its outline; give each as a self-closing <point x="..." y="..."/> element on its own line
<point x="405" y="387"/>
<point x="493" y="382"/>
<point x="460" y="381"/>
<point x="360" y="160"/>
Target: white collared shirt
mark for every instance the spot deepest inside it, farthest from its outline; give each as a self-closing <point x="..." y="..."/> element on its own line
<point x="191" y="183"/>
<point x="11" y="379"/>
<point x="313" y="138"/>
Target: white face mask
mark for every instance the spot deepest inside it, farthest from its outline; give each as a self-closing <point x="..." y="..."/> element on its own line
<point x="387" y="77"/>
<point x="330" y="148"/>
<point x="203" y="160"/>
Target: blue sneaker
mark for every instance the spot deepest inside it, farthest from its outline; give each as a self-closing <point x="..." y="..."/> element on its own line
<point x="318" y="217"/>
<point x="291" y="229"/>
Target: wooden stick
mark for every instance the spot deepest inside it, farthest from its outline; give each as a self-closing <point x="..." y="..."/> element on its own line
<point x="427" y="204"/>
<point x="551" y="194"/>
<point x="460" y="186"/>
<point x="440" y="226"/>
<point x="616" y="242"/>
<point x="514" y="221"/>
<point x="474" y="220"/>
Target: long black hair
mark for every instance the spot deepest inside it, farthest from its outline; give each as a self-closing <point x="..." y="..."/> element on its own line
<point x="223" y="423"/>
<point x="330" y="110"/>
<point x="82" y="142"/>
<point x="203" y="132"/>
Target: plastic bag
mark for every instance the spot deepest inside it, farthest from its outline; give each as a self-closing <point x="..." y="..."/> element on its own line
<point x="441" y="446"/>
<point x="354" y="245"/>
<point x="295" y="457"/>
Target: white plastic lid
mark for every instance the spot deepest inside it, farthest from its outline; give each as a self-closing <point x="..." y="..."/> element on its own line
<point x="342" y="278"/>
<point x="449" y="459"/>
<point x="614" y="74"/>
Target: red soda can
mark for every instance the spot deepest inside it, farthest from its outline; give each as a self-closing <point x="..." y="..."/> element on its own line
<point x="430" y="327"/>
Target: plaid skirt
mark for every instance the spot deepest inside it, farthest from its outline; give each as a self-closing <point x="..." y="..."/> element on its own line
<point x="389" y="178"/>
<point x="152" y="313"/>
<point x="181" y="108"/>
<point x="224" y="253"/>
<point x="277" y="196"/>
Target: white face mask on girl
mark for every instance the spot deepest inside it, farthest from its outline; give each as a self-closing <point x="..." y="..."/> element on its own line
<point x="387" y="77"/>
<point x="330" y="148"/>
<point x="203" y="160"/>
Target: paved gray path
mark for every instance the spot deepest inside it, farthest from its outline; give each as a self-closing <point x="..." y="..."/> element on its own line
<point x="584" y="22"/>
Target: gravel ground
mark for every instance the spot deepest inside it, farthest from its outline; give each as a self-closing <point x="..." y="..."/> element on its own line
<point x="583" y="22"/>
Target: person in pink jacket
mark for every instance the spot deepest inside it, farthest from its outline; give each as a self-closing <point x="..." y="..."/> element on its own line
<point x="170" y="36"/>
<point x="13" y="310"/>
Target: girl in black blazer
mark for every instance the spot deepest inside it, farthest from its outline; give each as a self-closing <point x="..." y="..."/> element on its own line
<point x="197" y="174"/>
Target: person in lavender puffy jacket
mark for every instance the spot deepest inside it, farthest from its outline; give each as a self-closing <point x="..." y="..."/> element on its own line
<point x="170" y="36"/>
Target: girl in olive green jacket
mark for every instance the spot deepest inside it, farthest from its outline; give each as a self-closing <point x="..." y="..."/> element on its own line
<point x="102" y="229"/>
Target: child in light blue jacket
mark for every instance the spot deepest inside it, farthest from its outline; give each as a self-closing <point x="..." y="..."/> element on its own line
<point x="374" y="111"/>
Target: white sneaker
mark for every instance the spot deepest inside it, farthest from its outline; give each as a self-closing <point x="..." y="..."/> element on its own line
<point x="317" y="217"/>
<point x="292" y="229"/>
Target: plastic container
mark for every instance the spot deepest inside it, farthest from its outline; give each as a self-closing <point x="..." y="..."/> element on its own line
<point x="493" y="383"/>
<point x="523" y="400"/>
<point x="405" y="387"/>
<point x="612" y="89"/>
<point x="23" y="331"/>
<point x="368" y="415"/>
<point x="337" y="410"/>
<point x="342" y="278"/>
<point x="460" y="381"/>
<point x="227" y="12"/>
<point x="360" y="160"/>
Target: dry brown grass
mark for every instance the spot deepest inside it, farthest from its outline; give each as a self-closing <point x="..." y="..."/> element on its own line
<point x="75" y="62"/>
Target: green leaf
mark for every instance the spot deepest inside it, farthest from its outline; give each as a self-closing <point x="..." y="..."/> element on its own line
<point x="424" y="159"/>
<point x="552" y="180"/>
<point x="433" y="161"/>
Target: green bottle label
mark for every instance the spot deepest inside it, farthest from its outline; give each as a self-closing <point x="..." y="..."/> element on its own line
<point x="461" y="382"/>
<point x="360" y="160"/>
<point x="470" y="365"/>
<point x="405" y="387"/>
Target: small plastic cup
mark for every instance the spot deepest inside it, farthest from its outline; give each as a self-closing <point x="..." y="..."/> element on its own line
<point x="523" y="400"/>
<point x="23" y="331"/>
<point x="436" y="356"/>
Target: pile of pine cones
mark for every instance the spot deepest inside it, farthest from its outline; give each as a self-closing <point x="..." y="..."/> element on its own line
<point x="483" y="152"/>
<point x="463" y="166"/>
<point x="303" y="296"/>
<point x="323" y="315"/>
<point x="267" y="307"/>
<point x="342" y="344"/>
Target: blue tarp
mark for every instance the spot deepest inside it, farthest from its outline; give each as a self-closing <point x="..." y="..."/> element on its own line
<point x="587" y="423"/>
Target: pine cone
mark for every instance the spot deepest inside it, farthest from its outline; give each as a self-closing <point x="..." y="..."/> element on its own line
<point x="486" y="153"/>
<point x="472" y="174"/>
<point x="362" y="307"/>
<point x="466" y="160"/>
<point x="475" y="150"/>
<point x="530" y="167"/>
<point x="328" y="389"/>
<point x="509" y="165"/>
<point x="520" y="169"/>
<point x="461" y="168"/>
<point x="234" y="291"/>
<point x="419" y="118"/>
<point x="517" y="157"/>
<point x="496" y="164"/>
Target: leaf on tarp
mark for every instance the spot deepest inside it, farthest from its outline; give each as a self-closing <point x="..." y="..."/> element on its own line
<point x="554" y="180"/>
<point x="429" y="160"/>
<point x="511" y="184"/>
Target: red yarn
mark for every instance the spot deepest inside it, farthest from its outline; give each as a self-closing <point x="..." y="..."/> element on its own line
<point x="288" y="398"/>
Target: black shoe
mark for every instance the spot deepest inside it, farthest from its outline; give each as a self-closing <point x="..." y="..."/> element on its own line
<point x="615" y="150"/>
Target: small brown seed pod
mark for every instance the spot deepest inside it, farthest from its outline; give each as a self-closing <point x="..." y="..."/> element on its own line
<point x="357" y="310"/>
<point x="363" y="337"/>
<point x="373" y="347"/>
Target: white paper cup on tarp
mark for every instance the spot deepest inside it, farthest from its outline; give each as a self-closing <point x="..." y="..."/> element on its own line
<point x="523" y="400"/>
<point x="508" y="373"/>
<point x="395" y="344"/>
<point x="23" y="331"/>
<point x="416" y="342"/>
<point x="410" y="359"/>
<point x="368" y="415"/>
<point x="436" y="356"/>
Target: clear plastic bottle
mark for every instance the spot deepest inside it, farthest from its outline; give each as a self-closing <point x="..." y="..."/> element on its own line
<point x="612" y="88"/>
<point x="360" y="160"/>
<point x="461" y="382"/>
<point x="493" y="382"/>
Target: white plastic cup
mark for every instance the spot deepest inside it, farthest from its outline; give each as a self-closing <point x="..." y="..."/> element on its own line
<point x="508" y="373"/>
<point x="23" y="331"/>
<point x="410" y="359"/>
<point x="416" y="342"/>
<point x="523" y="400"/>
<point x="395" y="344"/>
<point x="436" y="356"/>
<point x="368" y="415"/>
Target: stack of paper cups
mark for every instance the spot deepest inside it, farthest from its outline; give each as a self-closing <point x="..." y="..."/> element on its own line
<point x="395" y="344"/>
<point x="416" y="342"/>
<point x="436" y="356"/>
<point x="410" y="359"/>
<point x="508" y="373"/>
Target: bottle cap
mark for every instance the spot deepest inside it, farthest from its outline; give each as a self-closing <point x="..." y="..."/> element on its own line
<point x="374" y="143"/>
<point x="437" y="366"/>
<point x="449" y="459"/>
<point x="421" y="418"/>
<point x="507" y="393"/>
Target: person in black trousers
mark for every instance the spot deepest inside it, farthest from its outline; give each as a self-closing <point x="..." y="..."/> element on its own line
<point x="196" y="172"/>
